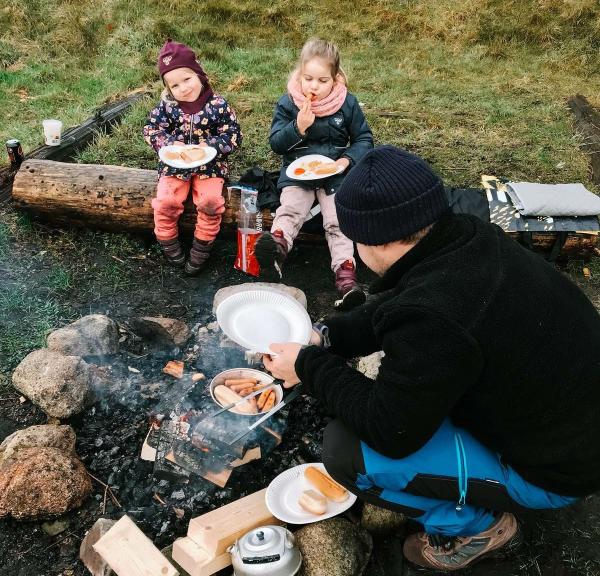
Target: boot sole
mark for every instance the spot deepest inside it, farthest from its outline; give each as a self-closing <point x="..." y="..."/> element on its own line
<point x="267" y="255"/>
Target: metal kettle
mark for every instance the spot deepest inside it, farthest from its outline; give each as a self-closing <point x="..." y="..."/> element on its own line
<point x="268" y="550"/>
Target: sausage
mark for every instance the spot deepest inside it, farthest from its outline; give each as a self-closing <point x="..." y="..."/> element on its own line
<point x="270" y="402"/>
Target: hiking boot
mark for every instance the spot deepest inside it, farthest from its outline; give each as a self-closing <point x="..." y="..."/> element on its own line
<point x="345" y="282"/>
<point x="199" y="255"/>
<point x="271" y="251"/>
<point x="173" y="252"/>
<point x="450" y="553"/>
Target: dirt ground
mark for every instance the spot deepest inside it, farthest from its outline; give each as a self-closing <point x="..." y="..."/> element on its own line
<point x="557" y="543"/>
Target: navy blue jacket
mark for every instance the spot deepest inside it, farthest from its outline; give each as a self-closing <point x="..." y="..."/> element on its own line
<point x="343" y="134"/>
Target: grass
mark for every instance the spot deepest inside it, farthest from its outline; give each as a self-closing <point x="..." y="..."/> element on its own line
<point x="474" y="86"/>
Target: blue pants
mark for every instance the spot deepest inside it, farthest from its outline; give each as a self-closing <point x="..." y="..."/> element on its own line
<point x="451" y="485"/>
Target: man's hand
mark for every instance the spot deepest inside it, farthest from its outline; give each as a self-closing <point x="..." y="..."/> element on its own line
<point x="281" y="362"/>
<point x="305" y="118"/>
<point x="315" y="338"/>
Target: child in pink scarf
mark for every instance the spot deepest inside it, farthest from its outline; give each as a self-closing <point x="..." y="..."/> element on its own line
<point x="317" y="116"/>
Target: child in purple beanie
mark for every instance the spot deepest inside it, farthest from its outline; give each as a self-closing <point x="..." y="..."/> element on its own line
<point x="189" y="112"/>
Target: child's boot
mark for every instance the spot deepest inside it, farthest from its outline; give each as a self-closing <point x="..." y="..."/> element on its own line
<point x="173" y="252"/>
<point x="345" y="282"/>
<point x="271" y="251"/>
<point x="199" y="255"/>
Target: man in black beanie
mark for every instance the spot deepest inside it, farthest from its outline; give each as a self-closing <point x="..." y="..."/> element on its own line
<point x="486" y="401"/>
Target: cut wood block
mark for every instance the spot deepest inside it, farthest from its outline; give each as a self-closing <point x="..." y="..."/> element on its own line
<point x="195" y="560"/>
<point x="129" y="552"/>
<point x="217" y="530"/>
<point x="218" y="478"/>
<point x="249" y="456"/>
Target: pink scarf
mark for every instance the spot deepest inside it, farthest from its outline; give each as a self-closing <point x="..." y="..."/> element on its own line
<point x="325" y="107"/>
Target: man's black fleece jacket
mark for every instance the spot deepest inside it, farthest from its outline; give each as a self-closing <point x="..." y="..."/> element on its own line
<point x="475" y="328"/>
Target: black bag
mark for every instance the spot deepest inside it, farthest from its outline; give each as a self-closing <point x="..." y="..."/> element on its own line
<point x="266" y="184"/>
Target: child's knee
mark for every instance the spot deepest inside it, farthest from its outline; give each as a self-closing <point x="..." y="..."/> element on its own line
<point x="212" y="205"/>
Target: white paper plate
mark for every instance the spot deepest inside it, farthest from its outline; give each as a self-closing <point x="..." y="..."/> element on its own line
<point x="210" y="153"/>
<point x="302" y="163"/>
<point x="284" y="491"/>
<point x="255" y="319"/>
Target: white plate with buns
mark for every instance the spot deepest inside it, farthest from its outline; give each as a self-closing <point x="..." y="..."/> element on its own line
<point x="187" y="156"/>
<point x="312" y="167"/>
<point x="285" y="492"/>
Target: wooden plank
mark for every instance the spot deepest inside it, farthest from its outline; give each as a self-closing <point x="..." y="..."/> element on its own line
<point x="249" y="456"/>
<point x="129" y="552"/>
<point x="195" y="560"/>
<point x="75" y="139"/>
<point x="217" y="530"/>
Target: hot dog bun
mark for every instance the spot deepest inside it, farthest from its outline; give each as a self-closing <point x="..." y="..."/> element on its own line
<point x="313" y="502"/>
<point x="328" y="168"/>
<point x="225" y="395"/>
<point x="325" y="484"/>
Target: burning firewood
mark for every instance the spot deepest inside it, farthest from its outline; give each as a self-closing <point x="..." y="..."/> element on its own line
<point x="174" y="368"/>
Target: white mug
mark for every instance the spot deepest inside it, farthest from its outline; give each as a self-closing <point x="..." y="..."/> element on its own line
<point x="52" y="130"/>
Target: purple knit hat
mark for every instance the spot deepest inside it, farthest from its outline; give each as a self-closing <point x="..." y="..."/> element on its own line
<point x="176" y="55"/>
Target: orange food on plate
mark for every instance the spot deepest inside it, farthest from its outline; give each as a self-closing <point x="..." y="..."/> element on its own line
<point x="299" y="171"/>
<point x="172" y="155"/>
<point x="193" y="154"/>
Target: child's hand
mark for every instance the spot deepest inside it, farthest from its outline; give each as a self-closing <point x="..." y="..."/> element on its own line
<point x="305" y="118"/>
<point x="343" y="162"/>
<point x="178" y="143"/>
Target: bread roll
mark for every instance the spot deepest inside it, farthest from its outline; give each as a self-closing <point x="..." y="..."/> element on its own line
<point x="325" y="484"/>
<point x="172" y="155"/>
<point x="313" y="502"/>
<point x="193" y="154"/>
<point x="225" y="396"/>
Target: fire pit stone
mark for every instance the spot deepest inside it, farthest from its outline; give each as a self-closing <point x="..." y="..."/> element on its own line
<point x="60" y="385"/>
<point x="92" y="335"/>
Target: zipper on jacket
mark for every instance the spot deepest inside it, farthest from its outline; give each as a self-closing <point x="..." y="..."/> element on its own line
<point x="463" y="476"/>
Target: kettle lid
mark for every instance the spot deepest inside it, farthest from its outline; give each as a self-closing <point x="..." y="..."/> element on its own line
<point x="262" y="545"/>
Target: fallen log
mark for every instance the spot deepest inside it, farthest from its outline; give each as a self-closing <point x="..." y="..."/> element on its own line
<point x="112" y="198"/>
<point x="118" y="199"/>
<point x="74" y="139"/>
<point x="587" y="123"/>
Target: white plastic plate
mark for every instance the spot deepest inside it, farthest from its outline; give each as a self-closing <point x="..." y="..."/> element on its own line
<point x="284" y="491"/>
<point x="255" y="319"/>
<point x="308" y="175"/>
<point x="209" y="154"/>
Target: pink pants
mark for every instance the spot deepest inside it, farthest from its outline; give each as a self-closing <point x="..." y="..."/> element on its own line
<point x="172" y="192"/>
<point x="296" y="202"/>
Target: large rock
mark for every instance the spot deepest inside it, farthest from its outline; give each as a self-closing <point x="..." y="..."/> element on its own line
<point x="44" y="435"/>
<point x="59" y="385"/>
<point x="42" y="482"/>
<point x="223" y="293"/>
<point x="333" y="547"/>
<point x="162" y="331"/>
<point x="93" y="335"/>
<point x="380" y="520"/>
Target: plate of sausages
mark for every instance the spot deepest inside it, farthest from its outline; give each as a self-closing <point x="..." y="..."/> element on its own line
<point x="312" y="167"/>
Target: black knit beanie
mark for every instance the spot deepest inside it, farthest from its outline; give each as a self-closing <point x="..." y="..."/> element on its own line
<point x="389" y="195"/>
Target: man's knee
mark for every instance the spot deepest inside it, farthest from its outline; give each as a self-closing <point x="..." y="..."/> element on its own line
<point x="342" y="453"/>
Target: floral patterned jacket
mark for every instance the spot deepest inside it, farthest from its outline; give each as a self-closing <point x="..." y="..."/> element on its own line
<point x="216" y="124"/>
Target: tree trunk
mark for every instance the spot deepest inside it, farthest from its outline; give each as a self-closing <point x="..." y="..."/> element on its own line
<point x="111" y="198"/>
<point x="119" y="199"/>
